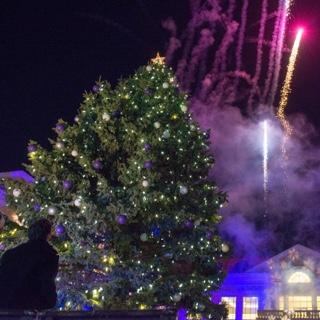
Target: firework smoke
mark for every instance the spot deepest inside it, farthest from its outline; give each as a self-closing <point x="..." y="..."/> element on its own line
<point x="284" y="8"/>
<point x="212" y="66"/>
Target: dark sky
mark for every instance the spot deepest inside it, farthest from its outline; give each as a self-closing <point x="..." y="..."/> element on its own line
<point x="52" y="51"/>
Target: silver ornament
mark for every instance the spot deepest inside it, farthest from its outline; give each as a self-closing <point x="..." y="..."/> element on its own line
<point x="165" y="85"/>
<point x="52" y="210"/>
<point x="166" y="134"/>
<point x="183" y="190"/>
<point x="74" y="153"/>
<point x="224" y="248"/>
<point x="177" y="297"/>
<point x="77" y="202"/>
<point x="157" y="125"/>
<point x="59" y="145"/>
<point x="143" y="237"/>
<point x="106" y="116"/>
<point x="16" y="192"/>
<point x="145" y="183"/>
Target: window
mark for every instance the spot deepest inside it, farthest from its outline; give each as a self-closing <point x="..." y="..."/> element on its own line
<point x="281" y="303"/>
<point x="250" y="308"/>
<point x="231" y="306"/>
<point x="300" y="303"/>
<point x="299" y="277"/>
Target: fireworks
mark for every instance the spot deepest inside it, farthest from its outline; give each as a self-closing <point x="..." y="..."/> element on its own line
<point x="286" y="89"/>
<point x="265" y="156"/>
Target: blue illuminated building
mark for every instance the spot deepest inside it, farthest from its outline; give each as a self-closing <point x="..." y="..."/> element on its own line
<point x="287" y="281"/>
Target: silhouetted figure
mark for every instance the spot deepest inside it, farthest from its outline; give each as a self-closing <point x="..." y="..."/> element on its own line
<point x="28" y="271"/>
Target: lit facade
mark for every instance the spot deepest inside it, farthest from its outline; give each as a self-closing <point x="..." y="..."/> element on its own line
<point x="288" y="281"/>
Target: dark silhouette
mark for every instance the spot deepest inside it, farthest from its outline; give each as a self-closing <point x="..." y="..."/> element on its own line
<point x="28" y="271"/>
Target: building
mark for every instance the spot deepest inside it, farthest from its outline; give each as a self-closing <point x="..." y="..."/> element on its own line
<point x="288" y="281"/>
<point x="5" y="211"/>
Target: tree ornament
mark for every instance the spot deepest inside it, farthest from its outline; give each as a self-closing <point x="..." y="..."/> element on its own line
<point x="96" y="88"/>
<point x="184" y="108"/>
<point x="144" y="237"/>
<point x="148" y="91"/>
<point x="36" y="207"/>
<point x="155" y="231"/>
<point x="147" y="147"/>
<point x="2" y="246"/>
<point x="121" y="219"/>
<point x="76" y="119"/>
<point x="148" y="164"/>
<point x="149" y="68"/>
<point x="183" y="190"/>
<point x="106" y="116"/>
<point x="67" y="184"/>
<point x="174" y="117"/>
<point x="59" y="145"/>
<point x="60" y="127"/>
<point x="157" y="125"/>
<point x="74" y="153"/>
<point x="16" y="192"/>
<point x="225" y="248"/>
<point x="60" y="230"/>
<point x="166" y="134"/>
<point x="52" y="210"/>
<point x="189" y="224"/>
<point x="97" y="165"/>
<point x="116" y="114"/>
<point x="209" y="235"/>
<point x="32" y="148"/>
<point x="77" y="202"/>
<point x="145" y="183"/>
<point x="177" y="297"/>
<point x="158" y="59"/>
<point x="87" y="307"/>
<point x="165" y="85"/>
<point x="201" y="307"/>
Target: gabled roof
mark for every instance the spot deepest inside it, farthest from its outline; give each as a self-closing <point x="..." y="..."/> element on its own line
<point x="297" y="254"/>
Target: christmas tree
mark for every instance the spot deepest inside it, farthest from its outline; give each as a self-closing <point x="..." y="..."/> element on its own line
<point x="127" y="188"/>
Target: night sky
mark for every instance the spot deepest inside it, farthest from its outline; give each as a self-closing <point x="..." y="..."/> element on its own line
<point x="52" y="51"/>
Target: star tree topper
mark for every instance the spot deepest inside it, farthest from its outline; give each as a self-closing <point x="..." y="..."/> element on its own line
<point x="158" y="59"/>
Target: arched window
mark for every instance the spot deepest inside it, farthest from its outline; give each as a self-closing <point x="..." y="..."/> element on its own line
<point x="299" y="277"/>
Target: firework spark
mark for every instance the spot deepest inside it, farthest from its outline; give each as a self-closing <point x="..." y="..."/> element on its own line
<point x="286" y="89"/>
<point x="265" y="146"/>
<point x="265" y="155"/>
<point x="283" y="11"/>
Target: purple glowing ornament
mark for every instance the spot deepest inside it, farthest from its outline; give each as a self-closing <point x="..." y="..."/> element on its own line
<point x="60" y="230"/>
<point x="36" y="207"/>
<point x="148" y="164"/>
<point x="32" y="147"/>
<point x="60" y="127"/>
<point x="148" y="91"/>
<point x="87" y="307"/>
<point x="116" y="114"/>
<point x="2" y="246"/>
<point x="188" y="224"/>
<point x="209" y="235"/>
<point x="122" y="219"/>
<point x="67" y="184"/>
<point x="147" y="147"/>
<point x="97" y="164"/>
<point x="96" y="88"/>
